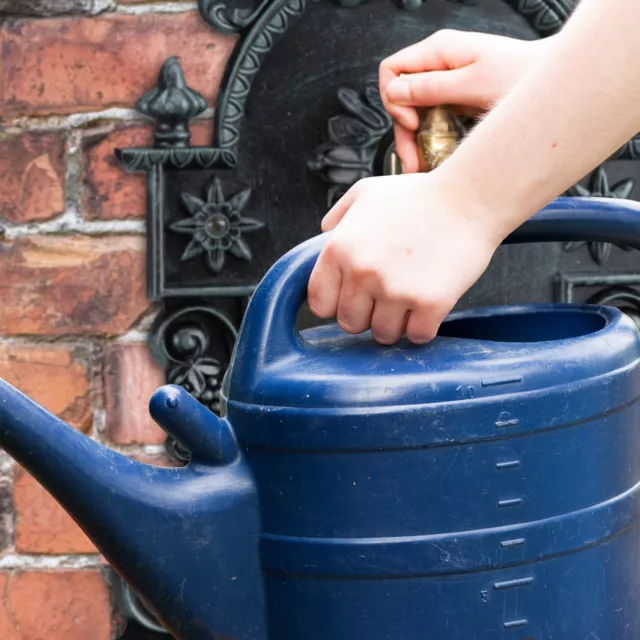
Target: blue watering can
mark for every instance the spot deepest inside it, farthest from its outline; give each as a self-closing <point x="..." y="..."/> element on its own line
<point x="484" y="486"/>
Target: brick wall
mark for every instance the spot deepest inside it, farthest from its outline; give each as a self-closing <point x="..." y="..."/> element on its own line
<point x="73" y="312"/>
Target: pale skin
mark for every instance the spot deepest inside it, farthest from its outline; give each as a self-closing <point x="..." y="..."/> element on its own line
<point x="405" y="248"/>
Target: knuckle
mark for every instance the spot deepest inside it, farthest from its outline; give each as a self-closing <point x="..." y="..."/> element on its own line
<point x="382" y="336"/>
<point x="421" y="335"/>
<point x="444" y="35"/>
<point x="387" y="328"/>
<point x="316" y="298"/>
<point x="386" y="285"/>
<point x="334" y="250"/>
<point x="353" y="190"/>
<point x="349" y="325"/>
<point x="361" y="185"/>
<point x="362" y="270"/>
<point x="435" y="87"/>
<point x="435" y="302"/>
<point x="315" y="303"/>
<point x="391" y="290"/>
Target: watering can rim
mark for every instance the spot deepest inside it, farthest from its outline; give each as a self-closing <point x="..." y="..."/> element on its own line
<point x="272" y="364"/>
<point x="365" y="375"/>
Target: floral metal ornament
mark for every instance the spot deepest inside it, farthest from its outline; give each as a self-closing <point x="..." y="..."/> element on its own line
<point x="199" y="375"/>
<point x="354" y="139"/>
<point x="599" y="188"/>
<point x="216" y="226"/>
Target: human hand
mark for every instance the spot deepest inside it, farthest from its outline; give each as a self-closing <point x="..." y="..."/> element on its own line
<point x="403" y="250"/>
<point x="467" y="71"/>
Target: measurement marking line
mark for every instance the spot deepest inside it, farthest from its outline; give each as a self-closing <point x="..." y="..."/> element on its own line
<point x="514" y="502"/>
<point x="512" y="543"/>
<point x="498" y="383"/>
<point x="510" y="464"/>
<point x="511" y="584"/>
<point x="508" y="423"/>
<point x="514" y="624"/>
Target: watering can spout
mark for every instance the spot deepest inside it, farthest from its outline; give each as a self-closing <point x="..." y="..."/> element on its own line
<point x="166" y="531"/>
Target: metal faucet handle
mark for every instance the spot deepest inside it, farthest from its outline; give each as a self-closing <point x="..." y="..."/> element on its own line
<point x="438" y="136"/>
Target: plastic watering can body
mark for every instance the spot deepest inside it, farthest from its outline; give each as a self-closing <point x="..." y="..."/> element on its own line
<point x="484" y="486"/>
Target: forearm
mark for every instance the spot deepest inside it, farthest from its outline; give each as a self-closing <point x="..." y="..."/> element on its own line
<point x="576" y="106"/>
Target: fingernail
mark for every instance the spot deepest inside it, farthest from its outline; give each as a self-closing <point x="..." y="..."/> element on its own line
<point x="399" y="90"/>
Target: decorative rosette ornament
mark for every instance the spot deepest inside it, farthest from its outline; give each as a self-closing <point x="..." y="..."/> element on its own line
<point x="216" y="227"/>
<point x="599" y="188"/>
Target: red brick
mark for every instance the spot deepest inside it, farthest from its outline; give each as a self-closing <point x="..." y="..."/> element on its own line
<point x="41" y="524"/>
<point x="7" y="628"/>
<point x="112" y="193"/>
<point x="65" y="65"/>
<point x="131" y="377"/>
<point x="54" y="285"/>
<point x="31" y="177"/>
<point x="60" y="605"/>
<point x="55" y="376"/>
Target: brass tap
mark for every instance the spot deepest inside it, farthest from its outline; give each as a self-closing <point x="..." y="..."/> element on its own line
<point x="438" y="136"/>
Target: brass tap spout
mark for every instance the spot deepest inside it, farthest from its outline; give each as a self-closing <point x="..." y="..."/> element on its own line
<point x="438" y="136"/>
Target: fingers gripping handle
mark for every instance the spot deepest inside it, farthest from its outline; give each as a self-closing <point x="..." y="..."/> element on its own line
<point x="270" y="321"/>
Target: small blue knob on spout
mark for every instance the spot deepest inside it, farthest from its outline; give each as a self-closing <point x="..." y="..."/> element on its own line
<point x="209" y="438"/>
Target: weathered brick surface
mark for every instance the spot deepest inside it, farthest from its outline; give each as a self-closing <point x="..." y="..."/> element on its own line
<point x="6" y="516"/>
<point x="54" y="7"/>
<point x="61" y="605"/>
<point x="131" y="377"/>
<point x="63" y="65"/>
<point x="41" y="524"/>
<point x="55" y="285"/>
<point x="55" y="376"/>
<point x="110" y="192"/>
<point x="31" y="177"/>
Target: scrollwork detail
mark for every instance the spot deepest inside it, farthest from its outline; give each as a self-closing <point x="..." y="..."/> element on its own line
<point x="194" y="346"/>
<point x="409" y="5"/>
<point x="271" y="24"/>
<point x="218" y="15"/>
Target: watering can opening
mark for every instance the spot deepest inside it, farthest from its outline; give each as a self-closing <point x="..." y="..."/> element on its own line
<point x="524" y="324"/>
<point x="544" y="324"/>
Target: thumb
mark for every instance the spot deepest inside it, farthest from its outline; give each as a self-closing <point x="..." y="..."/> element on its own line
<point x="432" y="88"/>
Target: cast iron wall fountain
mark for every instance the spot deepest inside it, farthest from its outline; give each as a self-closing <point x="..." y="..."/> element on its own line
<point x="298" y="120"/>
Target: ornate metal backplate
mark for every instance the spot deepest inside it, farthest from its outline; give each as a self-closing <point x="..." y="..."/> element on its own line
<point x="298" y="120"/>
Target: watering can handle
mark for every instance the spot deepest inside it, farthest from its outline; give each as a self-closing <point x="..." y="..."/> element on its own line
<point x="274" y="307"/>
